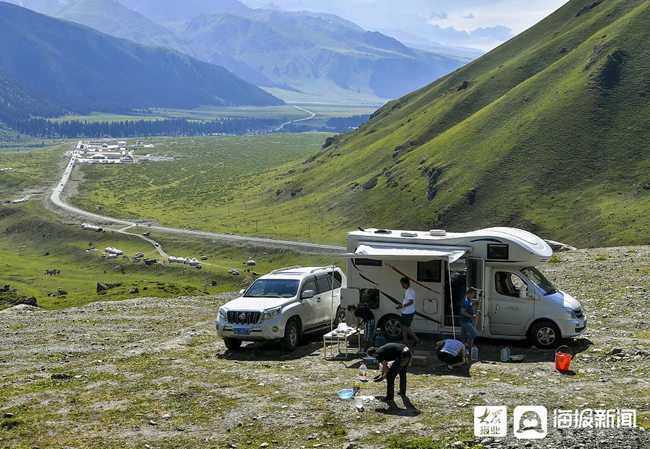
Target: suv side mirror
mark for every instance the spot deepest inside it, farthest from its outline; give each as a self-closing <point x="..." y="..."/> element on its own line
<point x="307" y="294"/>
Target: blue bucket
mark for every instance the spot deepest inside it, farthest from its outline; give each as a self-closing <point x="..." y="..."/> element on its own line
<point x="380" y="338"/>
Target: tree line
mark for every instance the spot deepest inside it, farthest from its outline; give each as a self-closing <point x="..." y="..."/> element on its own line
<point x="44" y="128"/>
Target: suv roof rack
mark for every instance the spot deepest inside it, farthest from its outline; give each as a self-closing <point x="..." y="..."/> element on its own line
<point x="277" y="270"/>
<point x="322" y="268"/>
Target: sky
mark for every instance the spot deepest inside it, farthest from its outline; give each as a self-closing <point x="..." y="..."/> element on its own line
<point x="482" y="24"/>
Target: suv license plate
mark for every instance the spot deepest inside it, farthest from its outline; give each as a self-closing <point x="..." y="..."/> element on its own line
<point x="242" y="331"/>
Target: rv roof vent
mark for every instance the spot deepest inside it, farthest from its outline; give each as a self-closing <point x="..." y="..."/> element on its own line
<point x="409" y="234"/>
<point x="383" y="231"/>
<point x="437" y="232"/>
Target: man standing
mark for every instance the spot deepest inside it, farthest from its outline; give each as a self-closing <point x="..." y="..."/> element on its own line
<point x="401" y="357"/>
<point x="466" y="318"/>
<point x="363" y="315"/>
<point x="408" y="312"/>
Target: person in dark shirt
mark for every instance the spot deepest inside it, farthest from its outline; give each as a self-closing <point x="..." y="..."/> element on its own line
<point x="363" y="315"/>
<point x="401" y="356"/>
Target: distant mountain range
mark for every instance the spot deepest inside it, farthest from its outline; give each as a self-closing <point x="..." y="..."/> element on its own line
<point x="48" y="66"/>
<point x="548" y="132"/>
<point x="319" y="54"/>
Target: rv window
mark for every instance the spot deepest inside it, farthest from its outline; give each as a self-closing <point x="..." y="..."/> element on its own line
<point x="429" y="271"/>
<point x="368" y="262"/>
<point x="369" y="297"/>
<point x="497" y="252"/>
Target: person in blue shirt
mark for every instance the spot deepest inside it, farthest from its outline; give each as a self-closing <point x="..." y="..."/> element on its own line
<point x="467" y="315"/>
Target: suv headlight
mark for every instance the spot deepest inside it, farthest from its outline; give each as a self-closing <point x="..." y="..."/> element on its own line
<point x="222" y="313"/>
<point x="269" y="314"/>
<point x="571" y="312"/>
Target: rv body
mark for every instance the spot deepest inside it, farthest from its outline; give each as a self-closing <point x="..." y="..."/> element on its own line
<point x="515" y="300"/>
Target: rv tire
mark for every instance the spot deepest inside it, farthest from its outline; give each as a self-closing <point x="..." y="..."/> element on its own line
<point x="391" y="325"/>
<point x="545" y="335"/>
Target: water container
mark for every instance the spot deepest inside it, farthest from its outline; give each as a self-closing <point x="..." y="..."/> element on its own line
<point x="474" y="354"/>
<point x="505" y="354"/>
<point x="363" y="372"/>
<point x="358" y="401"/>
<point x="380" y="339"/>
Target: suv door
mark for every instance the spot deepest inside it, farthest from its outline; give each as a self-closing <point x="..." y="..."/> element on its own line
<point x="309" y="306"/>
<point x="325" y="306"/>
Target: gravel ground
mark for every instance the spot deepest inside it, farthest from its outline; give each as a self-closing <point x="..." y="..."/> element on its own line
<point x="152" y="373"/>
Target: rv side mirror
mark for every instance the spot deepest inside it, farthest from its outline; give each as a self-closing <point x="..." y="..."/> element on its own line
<point x="307" y="294"/>
<point x="523" y="292"/>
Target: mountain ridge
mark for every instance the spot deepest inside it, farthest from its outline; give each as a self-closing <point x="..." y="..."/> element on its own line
<point x="77" y="68"/>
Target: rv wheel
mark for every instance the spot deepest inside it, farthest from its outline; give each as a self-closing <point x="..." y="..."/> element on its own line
<point x="545" y="335"/>
<point x="392" y="327"/>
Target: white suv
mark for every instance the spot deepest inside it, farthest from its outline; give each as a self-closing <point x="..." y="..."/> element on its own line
<point x="284" y="304"/>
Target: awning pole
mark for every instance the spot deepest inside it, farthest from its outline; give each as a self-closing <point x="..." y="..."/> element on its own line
<point x="451" y="300"/>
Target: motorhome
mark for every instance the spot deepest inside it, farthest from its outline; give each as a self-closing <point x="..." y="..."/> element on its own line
<point x="515" y="300"/>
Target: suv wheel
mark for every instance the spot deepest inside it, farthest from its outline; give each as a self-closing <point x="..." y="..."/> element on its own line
<point x="545" y="335"/>
<point x="339" y="317"/>
<point x="392" y="327"/>
<point x="232" y="343"/>
<point x="289" y="342"/>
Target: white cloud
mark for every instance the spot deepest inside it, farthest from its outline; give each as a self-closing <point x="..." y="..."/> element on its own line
<point x="425" y="18"/>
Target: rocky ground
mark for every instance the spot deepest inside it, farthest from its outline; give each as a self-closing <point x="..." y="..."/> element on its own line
<point x="153" y="373"/>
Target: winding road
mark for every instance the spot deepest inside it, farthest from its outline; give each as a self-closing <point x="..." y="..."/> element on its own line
<point x="303" y="247"/>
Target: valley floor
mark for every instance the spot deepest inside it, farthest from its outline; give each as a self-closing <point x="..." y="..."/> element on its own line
<point x="152" y="372"/>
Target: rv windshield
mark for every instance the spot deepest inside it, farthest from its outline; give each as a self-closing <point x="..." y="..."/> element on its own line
<point x="539" y="280"/>
<point x="275" y="288"/>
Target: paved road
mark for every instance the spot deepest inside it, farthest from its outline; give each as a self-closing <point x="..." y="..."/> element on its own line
<point x="303" y="247"/>
<point x="311" y="116"/>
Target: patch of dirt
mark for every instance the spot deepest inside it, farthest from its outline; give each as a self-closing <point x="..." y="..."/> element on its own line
<point x="151" y="372"/>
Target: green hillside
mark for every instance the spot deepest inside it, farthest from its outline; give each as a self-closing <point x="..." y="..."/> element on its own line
<point x="548" y="132"/>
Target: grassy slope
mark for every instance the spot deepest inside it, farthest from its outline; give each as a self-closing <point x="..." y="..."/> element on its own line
<point x="221" y="184"/>
<point x="543" y="137"/>
<point x="33" y="240"/>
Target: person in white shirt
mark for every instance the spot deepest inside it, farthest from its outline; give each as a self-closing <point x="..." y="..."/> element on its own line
<point x="452" y="352"/>
<point x="408" y="312"/>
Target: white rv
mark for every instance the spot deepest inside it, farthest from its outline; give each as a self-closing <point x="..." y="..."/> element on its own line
<point x="515" y="300"/>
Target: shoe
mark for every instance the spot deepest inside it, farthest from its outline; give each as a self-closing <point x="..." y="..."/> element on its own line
<point x="417" y="343"/>
<point x="450" y="368"/>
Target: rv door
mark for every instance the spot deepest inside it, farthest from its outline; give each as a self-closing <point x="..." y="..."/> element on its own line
<point x="476" y="280"/>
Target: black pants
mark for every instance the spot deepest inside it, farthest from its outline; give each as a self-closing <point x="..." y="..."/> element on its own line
<point x="400" y="366"/>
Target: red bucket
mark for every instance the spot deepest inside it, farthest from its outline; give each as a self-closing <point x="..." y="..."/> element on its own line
<point x="563" y="358"/>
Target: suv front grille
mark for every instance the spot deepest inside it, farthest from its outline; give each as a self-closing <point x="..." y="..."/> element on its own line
<point x="243" y="317"/>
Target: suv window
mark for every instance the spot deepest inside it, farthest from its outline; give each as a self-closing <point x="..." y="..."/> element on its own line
<point x="324" y="284"/>
<point x="338" y="280"/>
<point x="310" y="284"/>
<point x="285" y="288"/>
